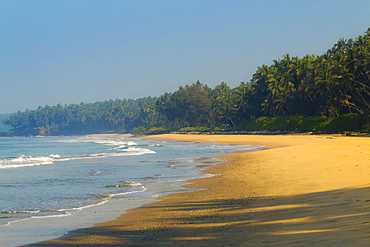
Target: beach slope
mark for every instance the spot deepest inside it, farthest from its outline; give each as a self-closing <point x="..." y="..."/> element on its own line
<point x="300" y="190"/>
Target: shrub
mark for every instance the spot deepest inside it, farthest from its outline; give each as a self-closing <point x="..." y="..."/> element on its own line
<point x="138" y="130"/>
<point x="348" y="122"/>
<point x="194" y="129"/>
<point x="314" y="123"/>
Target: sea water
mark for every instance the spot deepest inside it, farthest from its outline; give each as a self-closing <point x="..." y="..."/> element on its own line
<point x="52" y="185"/>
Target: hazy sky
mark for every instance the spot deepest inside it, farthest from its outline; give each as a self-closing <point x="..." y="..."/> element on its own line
<point x="72" y="51"/>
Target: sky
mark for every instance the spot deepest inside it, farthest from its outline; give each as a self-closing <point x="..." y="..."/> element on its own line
<point x="72" y="51"/>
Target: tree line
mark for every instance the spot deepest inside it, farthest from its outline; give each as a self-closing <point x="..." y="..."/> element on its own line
<point x="330" y="85"/>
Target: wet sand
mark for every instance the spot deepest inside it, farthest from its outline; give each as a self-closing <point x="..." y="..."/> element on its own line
<point x="301" y="190"/>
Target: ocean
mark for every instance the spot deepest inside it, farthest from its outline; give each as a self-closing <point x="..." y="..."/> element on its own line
<point x="52" y="185"/>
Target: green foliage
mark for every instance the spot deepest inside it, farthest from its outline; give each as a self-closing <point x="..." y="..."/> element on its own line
<point x="314" y="124"/>
<point x="157" y="129"/>
<point x="99" y="117"/>
<point x="194" y="129"/>
<point x="122" y="130"/>
<point x="3" y="118"/>
<point x="286" y="123"/>
<point x="138" y="130"/>
<point x="348" y="122"/>
<point x="189" y="105"/>
<point x="343" y="123"/>
<point x="217" y="128"/>
<point x="328" y="92"/>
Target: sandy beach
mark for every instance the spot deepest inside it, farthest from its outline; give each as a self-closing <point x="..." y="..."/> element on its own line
<point x="300" y="190"/>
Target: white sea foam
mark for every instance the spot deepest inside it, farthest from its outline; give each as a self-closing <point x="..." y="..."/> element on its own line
<point x="27" y="161"/>
<point x="126" y="152"/>
<point x="101" y="140"/>
<point x="24" y="161"/>
<point x="121" y="147"/>
<point x="126" y="184"/>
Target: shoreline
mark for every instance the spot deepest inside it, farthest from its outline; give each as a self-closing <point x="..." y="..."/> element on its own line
<point x="301" y="190"/>
<point x="161" y="174"/>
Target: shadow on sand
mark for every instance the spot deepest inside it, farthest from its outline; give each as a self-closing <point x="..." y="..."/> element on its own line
<point x="331" y="218"/>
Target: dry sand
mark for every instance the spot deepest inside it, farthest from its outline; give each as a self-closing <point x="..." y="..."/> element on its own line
<point x="302" y="190"/>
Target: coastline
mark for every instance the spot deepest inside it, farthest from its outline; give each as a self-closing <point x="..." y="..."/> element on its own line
<point x="163" y="171"/>
<point x="300" y="190"/>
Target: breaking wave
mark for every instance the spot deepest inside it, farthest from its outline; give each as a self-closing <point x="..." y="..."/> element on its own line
<point x="119" y="148"/>
<point x="24" y="161"/>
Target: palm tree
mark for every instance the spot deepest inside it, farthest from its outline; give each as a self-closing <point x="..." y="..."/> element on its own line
<point x="224" y="104"/>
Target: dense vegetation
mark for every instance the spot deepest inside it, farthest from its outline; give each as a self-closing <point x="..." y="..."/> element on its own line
<point x="328" y="92"/>
<point x="3" y="118"/>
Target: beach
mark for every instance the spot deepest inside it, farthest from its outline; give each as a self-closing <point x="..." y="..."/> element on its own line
<point x="299" y="190"/>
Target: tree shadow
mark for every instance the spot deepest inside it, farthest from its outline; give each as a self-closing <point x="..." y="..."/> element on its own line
<point x="330" y="218"/>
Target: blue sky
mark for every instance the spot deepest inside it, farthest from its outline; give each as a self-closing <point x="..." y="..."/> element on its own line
<point x="72" y="51"/>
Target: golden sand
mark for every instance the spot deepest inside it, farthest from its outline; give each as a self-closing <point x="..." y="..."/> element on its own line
<point x="301" y="190"/>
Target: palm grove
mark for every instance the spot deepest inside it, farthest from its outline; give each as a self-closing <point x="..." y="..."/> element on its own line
<point x="317" y="92"/>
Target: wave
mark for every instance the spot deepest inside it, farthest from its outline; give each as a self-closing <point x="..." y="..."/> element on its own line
<point x="27" y="161"/>
<point x="125" y="184"/>
<point x="120" y="147"/>
<point x="24" y="161"/>
<point x="101" y="140"/>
